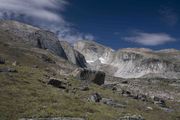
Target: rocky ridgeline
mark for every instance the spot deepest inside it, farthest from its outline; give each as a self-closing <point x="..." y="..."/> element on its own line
<point x="131" y="62"/>
<point x="43" y="39"/>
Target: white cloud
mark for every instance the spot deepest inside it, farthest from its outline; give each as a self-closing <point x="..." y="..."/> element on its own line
<point x="42" y="13"/>
<point x="150" y="39"/>
<point x="168" y="15"/>
<point x="33" y="8"/>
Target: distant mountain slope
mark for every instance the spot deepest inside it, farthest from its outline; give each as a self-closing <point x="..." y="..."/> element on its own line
<point x="131" y="62"/>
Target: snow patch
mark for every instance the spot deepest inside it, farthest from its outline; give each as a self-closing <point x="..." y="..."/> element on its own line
<point x="103" y="61"/>
<point x="90" y="61"/>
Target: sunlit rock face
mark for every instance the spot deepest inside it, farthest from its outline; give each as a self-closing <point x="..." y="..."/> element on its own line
<point x="130" y="62"/>
<point x="73" y="55"/>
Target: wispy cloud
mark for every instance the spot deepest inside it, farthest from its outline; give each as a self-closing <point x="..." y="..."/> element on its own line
<point x="42" y="13"/>
<point x="149" y="39"/>
<point x="168" y="15"/>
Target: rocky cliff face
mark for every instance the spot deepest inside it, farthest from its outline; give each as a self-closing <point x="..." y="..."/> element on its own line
<point x="130" y="62"/>
<point x="73" y="55"/>
<point x="43" y="39"/>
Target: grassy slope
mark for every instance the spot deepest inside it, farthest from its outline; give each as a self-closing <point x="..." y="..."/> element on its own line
<point x="24" y="94"/>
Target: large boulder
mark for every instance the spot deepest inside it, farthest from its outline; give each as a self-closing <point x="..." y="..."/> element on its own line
<point x="96" y="77"/>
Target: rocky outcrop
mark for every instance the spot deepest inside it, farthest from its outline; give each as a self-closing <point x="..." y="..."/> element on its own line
<point x="73" y="55"/>
<point x="96" y="77"/>
<point x="48" y="40"/>
<point x="35" y="37"/>
<point x="130" y="62"/>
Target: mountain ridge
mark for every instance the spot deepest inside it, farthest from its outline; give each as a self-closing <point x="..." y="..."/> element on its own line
<point x="130" y="62"/>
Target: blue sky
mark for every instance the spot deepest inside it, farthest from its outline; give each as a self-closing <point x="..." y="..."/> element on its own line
<point x="111" y="21"/>
<point x="118" y="24"/>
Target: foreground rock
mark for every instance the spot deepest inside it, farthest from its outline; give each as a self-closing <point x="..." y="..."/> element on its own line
<point x="95" y="97"/>
<point x="159" y="102"/>
<point x="112" y="103"/>
<point x="57" y="83"/>
<point x="8" y="69"/>
<point x="134" y="117"/>
<point x="96" y="77"/>
<point x="2" y="60"/>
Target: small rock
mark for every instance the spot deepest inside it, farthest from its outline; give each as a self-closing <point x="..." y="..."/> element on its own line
<point x="159" y="101"/>
<point x="134" y="117"/>
<point x="142" y="97"/>
<point x="156" y="98"/>
<point x="14" y="63"/>
<point x="35" y="66"/>
<point x="84" y="88"/>
<point x="112" y="103"/>
<point x="57" y="83"/>
<point x="149" y="108"/>
<point x="124" y="82"/>
<point x="95" y="97"/>
<point x="109" y="86"/>
<point x="114" y="88"/>
<point x="126" y="93"/>
<point x="2" y="60"/>
<point x="8" y="69"/>
<point x="168" y="110"/>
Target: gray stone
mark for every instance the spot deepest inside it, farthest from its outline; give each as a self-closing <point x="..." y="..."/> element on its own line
<point x="96" y="77"/>
<point x="159" y="101"/>
<point x="84" y="88"/>
<point x="57" y="83"/>
<point x="126" y="93"/>
<point x="8" y="69"/>
<point x="112" y="103"/>
<point x="2" y="60"/>
<point x="134" y="117"/>
<point x="95" y="97"/>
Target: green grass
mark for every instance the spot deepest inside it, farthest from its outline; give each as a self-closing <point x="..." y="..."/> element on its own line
<point x="24" y="94"/>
